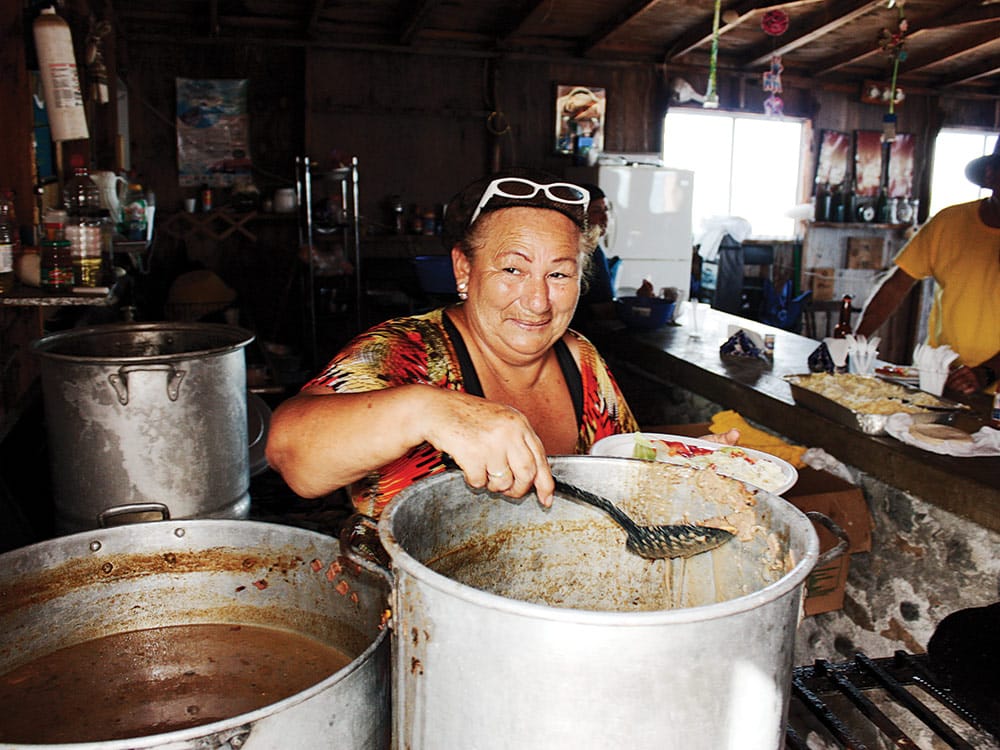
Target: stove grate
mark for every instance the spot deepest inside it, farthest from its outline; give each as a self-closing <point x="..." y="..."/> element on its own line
<point x="837" y="696"/>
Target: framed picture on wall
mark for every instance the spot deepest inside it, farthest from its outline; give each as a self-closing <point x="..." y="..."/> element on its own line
<point x="867" y="162"/>
<point x="834" y="153"/>
<point x="579" y="118"/>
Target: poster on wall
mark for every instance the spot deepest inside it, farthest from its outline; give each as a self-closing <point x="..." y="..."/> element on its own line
<point x="867" y="162"/>
<point x="901" y="166"/>
<point x="213" y="131"/>
<point x="580" y="118"/>
<point x="834" y="152"/>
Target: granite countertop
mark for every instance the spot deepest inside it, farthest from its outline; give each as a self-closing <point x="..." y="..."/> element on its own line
<point x="969" y="487"/>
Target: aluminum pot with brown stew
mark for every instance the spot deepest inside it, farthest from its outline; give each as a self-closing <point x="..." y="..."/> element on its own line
<point x="519" y="627"/>
<point x="192" y="634"/>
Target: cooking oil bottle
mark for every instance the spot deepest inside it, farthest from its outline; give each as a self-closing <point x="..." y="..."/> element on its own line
<point x="9" y="241"/>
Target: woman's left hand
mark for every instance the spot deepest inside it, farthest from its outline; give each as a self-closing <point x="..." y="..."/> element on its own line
<point x="726" y="438"/>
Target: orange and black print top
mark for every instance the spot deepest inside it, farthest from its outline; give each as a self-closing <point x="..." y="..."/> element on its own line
<point x="428" y="349"/>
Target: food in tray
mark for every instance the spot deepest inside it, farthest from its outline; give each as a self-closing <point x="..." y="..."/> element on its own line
<point x="760" y="469"/>
<point x="867" y="395"/>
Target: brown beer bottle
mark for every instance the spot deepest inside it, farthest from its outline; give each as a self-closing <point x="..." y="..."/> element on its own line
<point x="844" y="323"/>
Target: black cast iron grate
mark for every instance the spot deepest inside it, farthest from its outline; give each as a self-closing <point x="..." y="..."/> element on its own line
<point x="873" y="703"/>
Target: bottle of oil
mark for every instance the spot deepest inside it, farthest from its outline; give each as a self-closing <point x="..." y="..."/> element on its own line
<point x="9" y="241"/>
<point x="82" y="200"/>
<point x="843" y="326"/>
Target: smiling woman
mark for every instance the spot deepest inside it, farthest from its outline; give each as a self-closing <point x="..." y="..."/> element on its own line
<point x="493" y="384"/>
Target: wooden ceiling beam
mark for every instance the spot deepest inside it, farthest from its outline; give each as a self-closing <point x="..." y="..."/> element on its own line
<point x="516" y="18"/>
<point x="971" y="74"/>
<point x="839" y="14"/>
<point x="416" y="21"/>
<point x="621" y="17"/>
<point x="313" y="18"/>
<point x="696" y="36"/>
<point x="860" y="51"/>
<point x="948" y="52"/>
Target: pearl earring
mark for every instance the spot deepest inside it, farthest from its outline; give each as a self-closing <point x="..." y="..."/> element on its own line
<point x="463" y="293"/>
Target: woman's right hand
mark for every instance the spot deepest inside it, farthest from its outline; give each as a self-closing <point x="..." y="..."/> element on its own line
<point x="493" y="444"/>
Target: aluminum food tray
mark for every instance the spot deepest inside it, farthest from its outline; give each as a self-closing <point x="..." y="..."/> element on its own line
<point x="870" y="424"/>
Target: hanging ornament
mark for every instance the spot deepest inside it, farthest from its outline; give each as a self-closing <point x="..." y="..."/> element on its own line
<point x="893" y="43"/>
<point x="712" y="95"/>
<point x="774" y="22"/>
<point x="773" y="105"/>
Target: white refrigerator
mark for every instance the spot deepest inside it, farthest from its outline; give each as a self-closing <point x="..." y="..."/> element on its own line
<point x="649" y="225"/>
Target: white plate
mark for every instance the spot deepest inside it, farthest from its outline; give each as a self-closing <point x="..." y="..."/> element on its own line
<point x="896" y="374"/>
<point x="622" y="446"/>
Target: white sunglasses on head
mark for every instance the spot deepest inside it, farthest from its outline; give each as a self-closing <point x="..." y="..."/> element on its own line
<point x="520" y="188"/>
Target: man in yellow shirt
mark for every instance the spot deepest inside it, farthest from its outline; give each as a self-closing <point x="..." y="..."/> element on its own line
<point x="960" y="249"/>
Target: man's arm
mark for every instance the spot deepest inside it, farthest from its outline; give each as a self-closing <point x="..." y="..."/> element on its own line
<point x="883" y="303"/>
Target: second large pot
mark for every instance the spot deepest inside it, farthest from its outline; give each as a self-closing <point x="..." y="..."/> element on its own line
<point x="146" y="421"/>
<point x="520" y="628"/>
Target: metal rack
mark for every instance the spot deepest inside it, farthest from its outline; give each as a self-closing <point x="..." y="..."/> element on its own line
<point x="349" y="230"/>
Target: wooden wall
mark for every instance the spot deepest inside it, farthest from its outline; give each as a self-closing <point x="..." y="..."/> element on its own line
<point x="424" y="125"/>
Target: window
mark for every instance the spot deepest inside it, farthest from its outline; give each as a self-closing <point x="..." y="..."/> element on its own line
<point x="744" y="165"/>
<point x="953" y="149"/>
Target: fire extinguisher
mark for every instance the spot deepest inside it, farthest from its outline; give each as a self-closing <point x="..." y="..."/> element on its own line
<point x="60" y="78"/>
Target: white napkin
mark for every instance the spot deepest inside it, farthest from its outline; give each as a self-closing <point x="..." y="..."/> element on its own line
<point x="837" y="349"/>
<point x="862" y="352"/>
<point x="985" y="441"/>
<point x="932" y="363"/>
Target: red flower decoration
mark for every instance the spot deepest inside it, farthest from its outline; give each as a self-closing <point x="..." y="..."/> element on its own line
<point x="774" y="22"/>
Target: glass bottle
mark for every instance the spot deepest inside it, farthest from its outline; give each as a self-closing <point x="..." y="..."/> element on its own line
<point x="9" y="241"/>
<point x="882" y="207"/>
<point x="843" y="327"/>
<point x="82" y="200"/>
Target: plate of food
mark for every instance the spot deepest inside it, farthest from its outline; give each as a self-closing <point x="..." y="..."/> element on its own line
<point x="957" y="439"/>
<point x="899" y="374"/>
<point x="755" y="467"/>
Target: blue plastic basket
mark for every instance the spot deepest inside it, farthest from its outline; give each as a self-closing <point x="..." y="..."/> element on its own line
<point x="435" y="274"/>
<point x="645" y="313"/>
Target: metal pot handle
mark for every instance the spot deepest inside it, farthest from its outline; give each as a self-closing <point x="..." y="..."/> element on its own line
<point x="124" y="510"/>
<point x="830" y="525"/>
<point x="361" y="554"/>
<point x="119" y="380"/>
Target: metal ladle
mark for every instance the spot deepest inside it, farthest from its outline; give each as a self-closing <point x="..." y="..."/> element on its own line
<point x="653" y="542"/>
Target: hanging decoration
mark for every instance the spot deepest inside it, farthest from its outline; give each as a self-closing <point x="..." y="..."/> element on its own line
<point x="774" y="23"/>
<point x="893" y="44"/>
<point x="712" y="94"/>
<point x="774" y="106"/>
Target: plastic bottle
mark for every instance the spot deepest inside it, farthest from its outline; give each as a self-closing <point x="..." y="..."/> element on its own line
<point x="9" y="241"/>
<point x="82" y="199"/>
<point x="56" y="264"/>
<point x="134" y="214"/>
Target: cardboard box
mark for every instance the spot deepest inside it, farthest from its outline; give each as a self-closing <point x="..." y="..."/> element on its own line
<point x="865" y="252"/>
<point x="845" y="505"/>
<point x="820" y="282"/>
<point x="842" y="502"/>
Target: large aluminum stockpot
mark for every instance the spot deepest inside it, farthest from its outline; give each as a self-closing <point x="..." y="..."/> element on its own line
<point x="516" y="627"/>
<point x="146" y="421"/>
<point x="85" y="586"/>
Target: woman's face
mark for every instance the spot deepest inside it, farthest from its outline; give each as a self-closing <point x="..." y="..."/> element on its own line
<point x="523" y="280"/>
